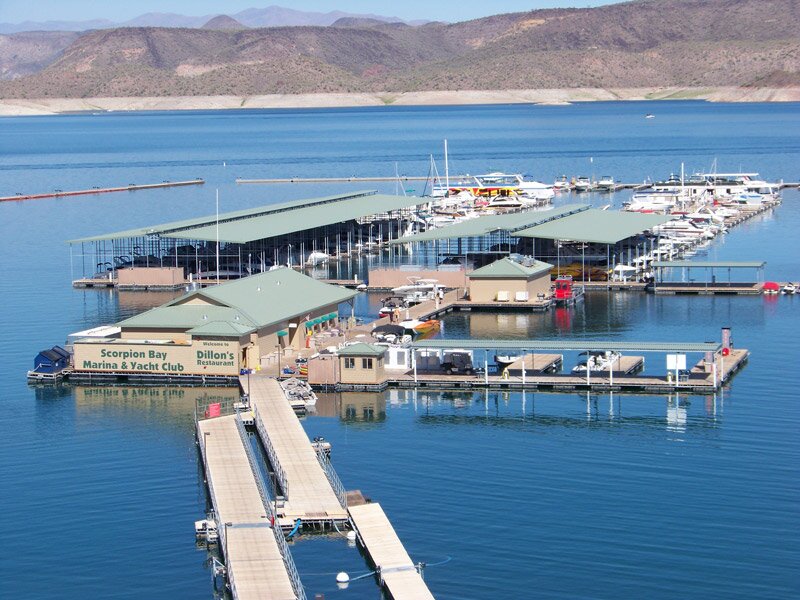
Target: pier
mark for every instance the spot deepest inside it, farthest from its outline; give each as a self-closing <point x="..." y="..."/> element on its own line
<point x="617" y="186"/>
<point x="98" y="190"/>
<point x="304" y="477"/>
<point x="255" y="563"/>
<point x="397" y="573"/>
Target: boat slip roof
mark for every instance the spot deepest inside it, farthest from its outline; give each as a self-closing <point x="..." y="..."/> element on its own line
<point x="566" y="345"/>
<point x="595" y="226"/>
<point x="711" y="264"/>
<point x="271" y="220"/>
<point x="491" y="223"/>
<point x="244" y="305"/>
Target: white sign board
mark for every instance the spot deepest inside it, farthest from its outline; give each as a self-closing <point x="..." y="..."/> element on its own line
<point x="676" y="362"/>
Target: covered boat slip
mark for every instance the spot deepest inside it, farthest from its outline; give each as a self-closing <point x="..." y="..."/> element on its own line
<point x="677" y="277"/>
<point x="254" y="239"/>
<point x="707" y="375"/>
<point x="575" y="238"/>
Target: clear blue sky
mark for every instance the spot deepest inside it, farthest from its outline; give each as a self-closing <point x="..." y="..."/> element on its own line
<point x="15" y="11"/>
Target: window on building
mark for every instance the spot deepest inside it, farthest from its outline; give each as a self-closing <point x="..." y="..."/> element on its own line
<point x="366" y="363"/>
<point x="349" y="363"/>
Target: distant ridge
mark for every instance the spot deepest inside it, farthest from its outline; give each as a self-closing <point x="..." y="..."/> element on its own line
<point x="641" y="44"/>
<point x="222" y="23"/>
<point x="271" y="16"/>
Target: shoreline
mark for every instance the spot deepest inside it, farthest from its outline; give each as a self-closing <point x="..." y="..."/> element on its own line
<point x="547" y="97"/>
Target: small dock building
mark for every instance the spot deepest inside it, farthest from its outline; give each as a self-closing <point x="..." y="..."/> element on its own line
<point x="506" y="280"/>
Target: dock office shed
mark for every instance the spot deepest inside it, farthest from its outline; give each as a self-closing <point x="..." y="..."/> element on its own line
<point x="574" y="234"/>
<point x="506" y="280"/>
<point x="252" y="240"/>
<point x="218" y="330"/>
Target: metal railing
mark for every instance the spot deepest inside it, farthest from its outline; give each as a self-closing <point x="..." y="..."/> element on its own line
<point x="288" y="561"/>
<point x="280" y="474"/>
<point x="333" y="477"/>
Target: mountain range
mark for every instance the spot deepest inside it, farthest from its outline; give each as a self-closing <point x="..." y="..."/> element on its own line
<point x="642" y="43"/>
<point x="271" y="16"/>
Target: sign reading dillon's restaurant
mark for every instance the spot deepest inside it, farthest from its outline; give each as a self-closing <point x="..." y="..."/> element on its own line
<point x="201" y="357"/>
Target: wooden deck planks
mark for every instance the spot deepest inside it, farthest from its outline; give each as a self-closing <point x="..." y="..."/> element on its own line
<point x="310" y="493"/>
<point x="254" y="562"/>
<point x="387" y="553"/>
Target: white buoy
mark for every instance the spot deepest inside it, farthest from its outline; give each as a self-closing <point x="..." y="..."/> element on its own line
<point x="342" y="577"/>
<point x="351" y="536"/>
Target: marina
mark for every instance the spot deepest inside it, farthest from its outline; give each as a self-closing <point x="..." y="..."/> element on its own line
<point x="512" y="401"/>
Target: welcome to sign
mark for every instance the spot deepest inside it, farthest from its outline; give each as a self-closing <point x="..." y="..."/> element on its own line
<point x="201" y="357"/>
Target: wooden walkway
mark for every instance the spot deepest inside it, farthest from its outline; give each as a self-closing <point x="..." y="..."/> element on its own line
<point x="396" y="570"/>
<point x="309" y="494"/>
<point x="254" y="562"/>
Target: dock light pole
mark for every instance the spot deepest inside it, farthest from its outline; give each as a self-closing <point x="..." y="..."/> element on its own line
<point x="278" y="346"/>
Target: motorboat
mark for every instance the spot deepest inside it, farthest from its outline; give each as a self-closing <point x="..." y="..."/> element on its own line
<point x="506" y="202"/>
<point x="421" y="327"/>
<point x="683" y="228"/>
<point x="391" y="334"/>
<point x="299" y="391"/>
<point x="206" y="530"/>
<point x="606" y="184"/>
<point x="789" y="289"/>
<point x="583" y="184"/>
<point x="316" y="259"/>
<point x="597" y="361"/>
<point x="653" y="201"/>
<point x="504" y="361"/>
<point x="392" y="303"/>
<point x="419" y="290"/>
<point x="562" y="184"/>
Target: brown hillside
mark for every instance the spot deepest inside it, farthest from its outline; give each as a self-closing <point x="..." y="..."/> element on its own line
<point x="634" y="44"/>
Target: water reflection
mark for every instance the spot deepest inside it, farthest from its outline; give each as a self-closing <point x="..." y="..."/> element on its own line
<point x="677" y="413"/>
<point x="352" y="407"/>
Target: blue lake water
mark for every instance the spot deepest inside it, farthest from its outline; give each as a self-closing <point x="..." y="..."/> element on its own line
<point x="541" y="495"/>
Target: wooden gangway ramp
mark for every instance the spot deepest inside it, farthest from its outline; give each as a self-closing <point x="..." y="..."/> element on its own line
<point x="310" y="491"/>
<point x="396" y="570"/>
<point x="255" y="565"/>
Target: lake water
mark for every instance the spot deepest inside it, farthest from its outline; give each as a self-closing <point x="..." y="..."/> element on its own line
<point x="503" y="495"/>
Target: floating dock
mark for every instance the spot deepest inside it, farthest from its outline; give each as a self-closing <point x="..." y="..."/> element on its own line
<point x="397" y="573"/>
<point x="311" y="490"/>
<point x="256" y="567"/>
<point x="98" y="190"/>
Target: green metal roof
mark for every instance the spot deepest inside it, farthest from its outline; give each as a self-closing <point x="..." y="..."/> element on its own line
<point x="221" y="329"/>
<point x="188" y="317"/>
<point x="565" y="345"/>
<point x="272" y="219"/>
<point x="505" y="268"/>
<point x="490" y="223"/>
<point x="245" y="304"/>
<point x="362" y="349"/>
<point x="595" y="226"/>
<point x="711" y="264"/>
